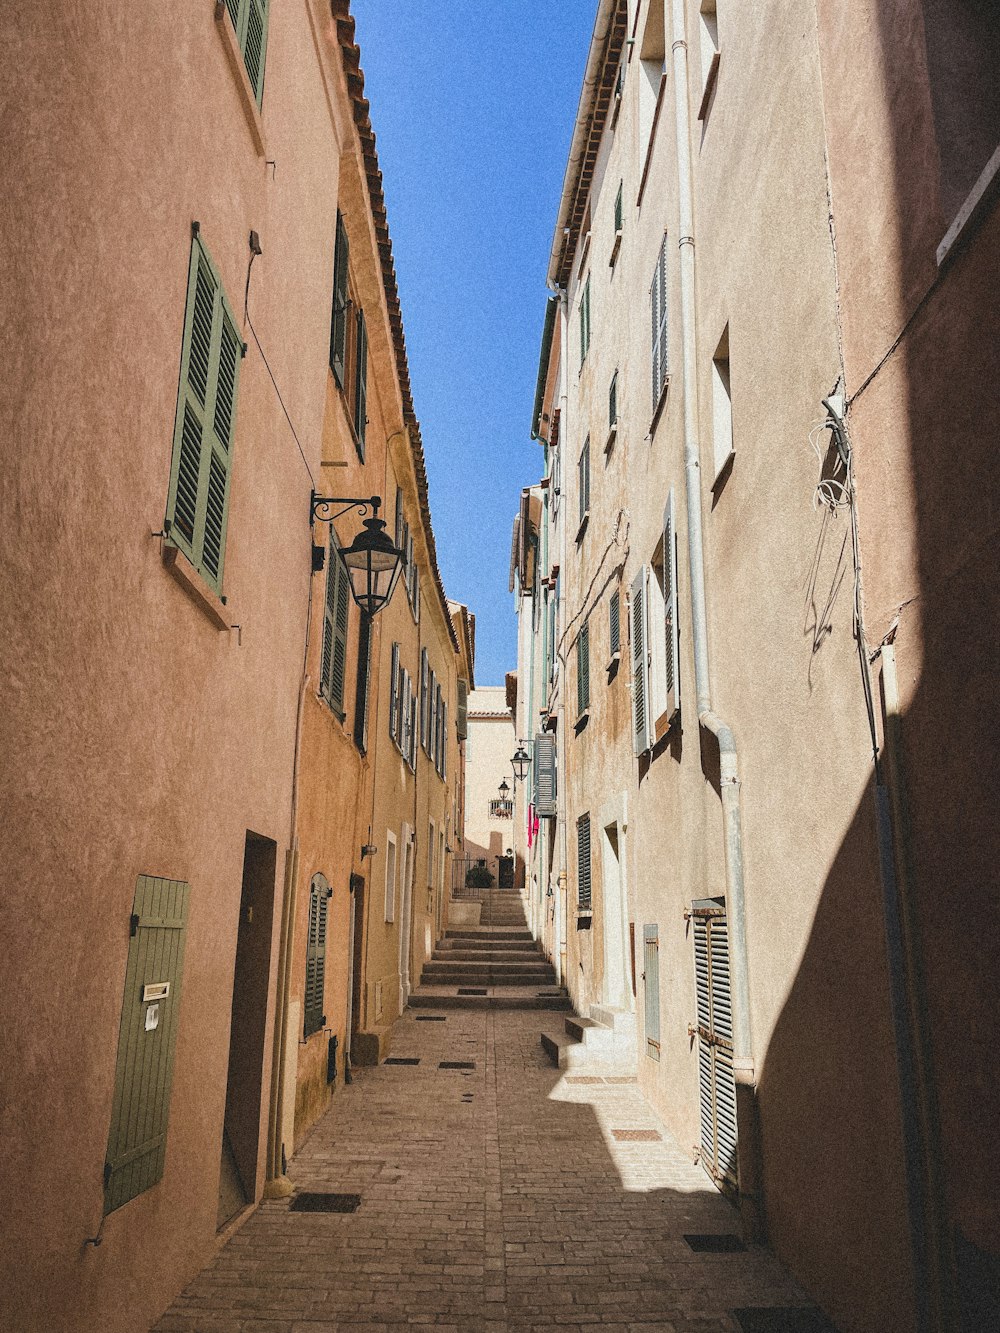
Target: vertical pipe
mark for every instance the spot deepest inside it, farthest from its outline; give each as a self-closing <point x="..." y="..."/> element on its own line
<point x="748" y="1130"/>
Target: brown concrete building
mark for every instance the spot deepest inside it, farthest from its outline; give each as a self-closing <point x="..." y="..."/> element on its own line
<point x="747" y="405"/>
<point x="189" y="777"/>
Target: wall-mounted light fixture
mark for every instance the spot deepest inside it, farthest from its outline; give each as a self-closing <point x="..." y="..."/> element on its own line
<point x="504" y="790"/>
<point x="373" y="562"/>
<point x="520" y="762"/>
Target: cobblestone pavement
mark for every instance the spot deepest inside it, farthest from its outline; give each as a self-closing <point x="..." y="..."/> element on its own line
<point x="493" y="1198"/>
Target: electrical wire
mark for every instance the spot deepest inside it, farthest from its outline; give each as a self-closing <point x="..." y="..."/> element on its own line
<point x="587" y="606"/>
<point x="249" y="323"/>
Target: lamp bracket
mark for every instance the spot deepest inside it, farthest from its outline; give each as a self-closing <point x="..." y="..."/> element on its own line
<point x="318" y="503"/>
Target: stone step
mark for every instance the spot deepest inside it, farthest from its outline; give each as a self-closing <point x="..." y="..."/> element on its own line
<point x="456" y="950"/>
<point x="566" y="1052"/>
<point x="488" y="933"/>
<point x="540" y="979"/>
<point x="506" y="997"/>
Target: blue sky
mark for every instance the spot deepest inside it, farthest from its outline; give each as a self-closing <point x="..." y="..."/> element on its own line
<point x="472" y="106"/>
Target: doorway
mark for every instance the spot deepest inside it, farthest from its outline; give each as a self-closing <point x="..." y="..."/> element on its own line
<point x="241" y="1132"/>
<point x="617" y="991"/>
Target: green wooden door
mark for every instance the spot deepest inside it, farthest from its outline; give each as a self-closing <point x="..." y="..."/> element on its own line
<point x="146" y="1040"/>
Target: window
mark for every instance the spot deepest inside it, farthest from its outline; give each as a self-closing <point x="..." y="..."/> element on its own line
<point x="338" y="318"/>
<point x="394" y="702"/>
<point x="655" y="694"/>
<point x="431" y="844"/>
<point x="315" y="993"/>
<point x="584" y="321"/>
<point x="249" y="18"/>
<point x="722" y="406"/>
<point x="361" y="383"/>
<point x="652" y="80"/>
<point x="543" y="765"/>
<point x="614" y="623"/>
<point x="651" y="985"/>
<point x="390" y="876"/>
<point x="198" y="498"/>
<point x="583" y="669"/>
<point x="425" y="717"/>
<point x="584" y="893"/>
<point x="146" y="1037"/>
<point x="335" y="612"/>
<point x="658" y="311"/>
<point x="709" y="26"/>
<point x="583" y="469"/>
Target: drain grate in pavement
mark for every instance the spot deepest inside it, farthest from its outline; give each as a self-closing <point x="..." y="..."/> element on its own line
<point x="401" y="1060"/>
<point x="783" y="1319"/>
<point x="325" y="1203"/>
<point x="430" y="1018"/>
<point x="472" y="990"/>
<point x="715" y="1244"/>
<point x="637" y="1135"/>
<point x="457" y="1064"/>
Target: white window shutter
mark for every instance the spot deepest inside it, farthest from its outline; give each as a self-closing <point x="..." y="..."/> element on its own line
<point x="671" y="693"/>
<point x="642" y="731"/>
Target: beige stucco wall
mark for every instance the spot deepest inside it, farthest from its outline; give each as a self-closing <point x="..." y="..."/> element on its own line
<point x="489" y="749"/>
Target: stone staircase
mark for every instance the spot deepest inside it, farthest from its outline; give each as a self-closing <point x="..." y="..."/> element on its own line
<point x="495" y="965"/>
<point x="605" y="1042"/>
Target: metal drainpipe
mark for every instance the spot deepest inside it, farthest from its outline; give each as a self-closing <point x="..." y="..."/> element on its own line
<point x="748" y="1132"/>
<point x="561" y="745"/>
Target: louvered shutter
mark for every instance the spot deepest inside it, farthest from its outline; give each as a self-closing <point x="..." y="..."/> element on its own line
<point x="394" y="691"/>
<point x="716" y="1082"/>
<point x="583" y="869"/>
<point x="198" y="498"/>
<point x="584" y="480"/>
<point x="544" y="765"/>
<point x="654" y="311"/>
<point x="411" y="572"/>
<point x="670" y="683"/>
<point x="613" y="401"/>
<point x="651" y="979"/>
<point x="255" y="46"/>
<point x="439" y="729"/>
<point x="642" y="731"/>
<point x="361" y="685"/>
<point x="314" y="1017"/>
<point x="444" y="740"/>
<point x="614" y="622"/>
<point x="361" y="384"/>
<point x="413" y="730"/>
<point x="658" y="312"/>
<point x="583" y="669"/>
<point x="400" y="539"/>
<point x="147" y="1036"/>
<point x="424" y="711"/>
<point x="619" y="212"/>
<point x="338" y="319"/>
<point x="583" y="323"/>
<point x="335" y="614"/>
<point x="463" y="710"/>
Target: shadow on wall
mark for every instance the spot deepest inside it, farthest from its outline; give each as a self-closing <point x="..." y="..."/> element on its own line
<point x="924" y="435"/>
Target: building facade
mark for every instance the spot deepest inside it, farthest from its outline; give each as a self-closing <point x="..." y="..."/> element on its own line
<point x="734" y="853"/>
<point x="202" y="781"/>
<point x="489" y="818"/>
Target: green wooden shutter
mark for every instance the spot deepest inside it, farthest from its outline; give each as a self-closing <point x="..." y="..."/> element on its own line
<point x="335" y="616"/>
<point x="618" y="197"/>
<point x="583" y="669"/>
<point x="463" y="710"/>
<point x="424" y="680"/>
<point x="361" y="684"/>
<point x="361" y="384"/>
<point x="146" y="1040"/>
<point x="255" y="44"/>
<point x="614" y="619"/>
<point x="671" y="692"/>
<point x="584" y="479"/>
<point x="613" y="401"/>
<point x="315" y="989"/>
<point x="651" y="979"/>
<point x="658" y="311"/>
<point x="198" y="498"/>
<point x="338" y="318"/>
<point x="444" y="741"/>
<point x="583" y="871"/>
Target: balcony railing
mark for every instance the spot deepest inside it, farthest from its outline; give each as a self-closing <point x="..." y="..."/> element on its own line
<point x="501" y="809"/>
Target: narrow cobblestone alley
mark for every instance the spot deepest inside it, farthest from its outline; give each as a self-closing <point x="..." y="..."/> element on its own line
<point x="497" y="1197"/>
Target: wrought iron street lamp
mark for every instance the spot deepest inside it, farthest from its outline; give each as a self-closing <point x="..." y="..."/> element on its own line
<point x="504" y="790"/>
<point x="520" y="763"/>
<point x="373" y="563"/>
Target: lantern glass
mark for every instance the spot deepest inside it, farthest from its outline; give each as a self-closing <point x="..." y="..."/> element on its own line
<point x="373" y="566"/>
